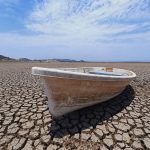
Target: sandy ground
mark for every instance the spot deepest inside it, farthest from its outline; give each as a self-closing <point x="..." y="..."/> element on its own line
<point x="25" y="122"/>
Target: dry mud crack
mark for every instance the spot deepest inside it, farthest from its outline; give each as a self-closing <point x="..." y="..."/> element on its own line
<point x="25" y="122"/>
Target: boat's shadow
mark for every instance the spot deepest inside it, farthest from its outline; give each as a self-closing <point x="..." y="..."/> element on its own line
<point x="89" y="117"/>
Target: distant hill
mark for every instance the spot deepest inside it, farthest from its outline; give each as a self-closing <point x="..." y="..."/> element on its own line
<point x="24" y="59"/>
<point x="58" y="59"/>
<point x="4" y="58"/>
<point x="67" y="60"/>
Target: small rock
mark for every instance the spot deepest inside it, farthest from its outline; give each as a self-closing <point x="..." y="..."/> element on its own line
<point x="47" y="120"/>
<point x="147" y="130"/>
<point x="123" y="127"/>
<point x="138" y="132"/>
<point x="118" y="137"/>
<point x="13" y="128"/>
<point x="85" y="136"/>
<point x="130" y="121"/>
<point x="6" y="122"/>
<point x="23" y="120"/>
<point x="28" y="145"/>
<point x="39" y="122"/>
<point x="99" y="132"/>
<point x="147" y="142"/>
<point x="13" y="143"/>
<point x="126" y="137"/>
<point x="52" y="147"/>
<point x="40" y="147"/>
<point x="36" y="142"/>
<point x="16" y="143"/>
<point x="116" y="148"/>
<point x="104" y="148"/>
<point x="108" y="141"/>
<point x="102" y="128"/>
<point x="19" y="144"/>
<point x="45" y="139"/>
<point x="23" y="132"/>
<point x="58" y="140"/>
<point x="77" y="136"/>
<point x="29" y="125"/>
<point x="94" y="138"/>
<point x="34" y="134"/>
<point x="137" y="145"/>
<point x="5" y="139"/>
<point x="122" y="145"/>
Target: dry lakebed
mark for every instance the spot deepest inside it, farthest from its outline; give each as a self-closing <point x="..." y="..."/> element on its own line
<point x="26" y="124"/>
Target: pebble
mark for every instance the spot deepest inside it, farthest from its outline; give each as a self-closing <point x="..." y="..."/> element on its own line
<point x="108" y="141"/>
<point x="137" y="145"/>
<point x="147" y="142"/>
<point x="94" y="138"/>
<point x="138" y="132"/>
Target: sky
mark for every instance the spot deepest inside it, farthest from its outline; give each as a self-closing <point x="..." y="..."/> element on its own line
<point x="94" y="30"/>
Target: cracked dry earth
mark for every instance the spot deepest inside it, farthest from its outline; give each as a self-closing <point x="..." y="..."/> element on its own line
<point x="25" y="123"/>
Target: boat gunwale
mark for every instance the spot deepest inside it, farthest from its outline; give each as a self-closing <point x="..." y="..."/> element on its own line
<point x="59" y="73"/>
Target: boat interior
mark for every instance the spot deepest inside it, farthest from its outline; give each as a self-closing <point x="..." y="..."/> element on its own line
<point x="100" y="71"/>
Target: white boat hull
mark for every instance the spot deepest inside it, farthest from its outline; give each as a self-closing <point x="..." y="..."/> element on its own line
<point x="69" y="92"/>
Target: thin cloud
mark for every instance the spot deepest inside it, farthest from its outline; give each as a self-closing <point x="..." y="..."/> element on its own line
<point x="89" y="18"/>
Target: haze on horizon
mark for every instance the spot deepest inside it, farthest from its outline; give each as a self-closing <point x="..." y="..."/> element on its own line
<point x="94" y="30"/>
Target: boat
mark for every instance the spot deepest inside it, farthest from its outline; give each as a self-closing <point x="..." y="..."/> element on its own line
<point x="69" y="89"/>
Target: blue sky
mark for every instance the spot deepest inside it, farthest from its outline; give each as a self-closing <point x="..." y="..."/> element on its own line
<point x="96" y="30"/>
